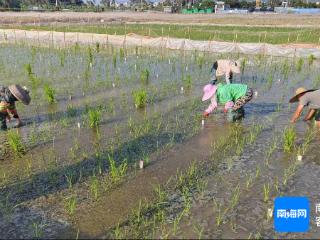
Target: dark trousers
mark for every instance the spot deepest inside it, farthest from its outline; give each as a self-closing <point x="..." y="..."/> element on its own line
<point x="3" y="121"/>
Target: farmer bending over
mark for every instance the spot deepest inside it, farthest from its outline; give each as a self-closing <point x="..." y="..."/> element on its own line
<point x="8" y="97"/>
<point x="310" y="98"/>
<point x="233" y="96"/>
<point x="224" y="67"/>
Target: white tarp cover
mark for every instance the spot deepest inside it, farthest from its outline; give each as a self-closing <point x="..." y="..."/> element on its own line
<point x="61" y="39"/>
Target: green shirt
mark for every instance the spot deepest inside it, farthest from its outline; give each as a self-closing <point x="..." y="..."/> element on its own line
<point x="230" y="92"/>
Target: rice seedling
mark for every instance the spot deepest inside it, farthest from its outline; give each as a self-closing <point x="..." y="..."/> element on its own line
<point x="28" y="69"/>
<point x="187" y="82"/>
<point x="62" y="58"/>
<point x="249" y="181"/>
<point x="97" y="47"/>
<point x="94" y="118"/>
<point x="90" y="55"/>
<point x="235" y="197"/>
<point x="299" y="64"/>
<point x="144" y="76"/>
<point x="69" y="177"/>
<point x="266" y="192"/>
<point x="198" y="229"/>
<point x="117" y="172"/>
<point x="38" y="230"/>
<point x="49" y="93"/>
<point x="269" y="81"/>
<point x="71" y="204"/>
<point x="94" y="187"/>
<point x="121" y="53"/>
<point x="311" y="59"/>
<point x="114" y="61"/>
<point x="289" y="137"/>
<point x="15" y="142"/>
<point x="117" y="232"/>
<point x="140" y="98"/>
<point x="276" y="185"/>
<point x="285" y="69"/>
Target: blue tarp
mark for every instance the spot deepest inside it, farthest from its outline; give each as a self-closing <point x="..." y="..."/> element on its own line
<point x="297" y="10"/>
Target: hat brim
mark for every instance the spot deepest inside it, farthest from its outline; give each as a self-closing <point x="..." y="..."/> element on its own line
<point x="296" y="97"/>
<point x="208" y="95"/>
<point x="20" y="94"/>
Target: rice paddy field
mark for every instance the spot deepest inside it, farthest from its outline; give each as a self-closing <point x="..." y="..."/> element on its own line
<point x="99" y="112"/>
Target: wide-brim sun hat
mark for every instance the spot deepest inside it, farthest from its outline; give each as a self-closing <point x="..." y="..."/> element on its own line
<point x="21" y="93"/>
<point x="299" y="92"/>
<point x="208" y="91"/>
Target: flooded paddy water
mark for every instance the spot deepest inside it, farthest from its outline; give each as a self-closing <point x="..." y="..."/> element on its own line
<point x="73" y="170"/>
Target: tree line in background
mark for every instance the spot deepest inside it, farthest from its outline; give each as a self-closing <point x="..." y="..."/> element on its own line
<point x="200" y="4"/>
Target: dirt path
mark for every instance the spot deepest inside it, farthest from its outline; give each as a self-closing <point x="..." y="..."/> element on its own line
<point x="270" y="19"/>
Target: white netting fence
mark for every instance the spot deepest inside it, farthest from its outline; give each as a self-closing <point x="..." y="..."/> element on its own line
<point x="61" y="39"/>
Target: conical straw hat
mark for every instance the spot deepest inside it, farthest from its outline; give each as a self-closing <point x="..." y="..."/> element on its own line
<point x="300" y="91"/>
<point x="21" y="93"/>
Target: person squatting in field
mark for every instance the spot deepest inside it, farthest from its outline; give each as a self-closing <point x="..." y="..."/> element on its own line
<point x="8" y="97"/>
<point x="233" y="96"/>
<point x="307" y="98"/>
<point x="224" y="67"/>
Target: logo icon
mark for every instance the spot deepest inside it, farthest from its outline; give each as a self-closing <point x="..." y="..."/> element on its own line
<point x="291" y="214"/>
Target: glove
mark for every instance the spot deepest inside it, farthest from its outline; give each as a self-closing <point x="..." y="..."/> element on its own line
<point x="205" y="114"/>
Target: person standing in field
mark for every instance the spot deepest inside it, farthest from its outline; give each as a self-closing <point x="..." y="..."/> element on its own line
<point x="233" y="96"/>
<point x="8" y="97"/>
<point x="224" y="67"/>
<point x="310" y="99"/>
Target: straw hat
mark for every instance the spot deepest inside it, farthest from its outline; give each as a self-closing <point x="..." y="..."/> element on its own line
<point x="208" y="91"/>
<point x="21" y="93"/>
<point x="299" y="92"/>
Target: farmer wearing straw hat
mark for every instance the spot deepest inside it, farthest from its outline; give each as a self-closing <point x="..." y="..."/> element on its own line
<point x="224" y="67"/>
<point x="310" y="98"/>
<point x="233" y="96"/>
<point x="8" y="97"/>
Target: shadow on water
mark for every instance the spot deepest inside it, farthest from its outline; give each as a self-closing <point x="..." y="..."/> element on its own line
<point x="54" y="180"/>
<point x="260" y="109"/>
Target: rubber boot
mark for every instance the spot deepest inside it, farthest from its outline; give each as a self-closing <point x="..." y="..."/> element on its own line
<point x="235" y="115"/>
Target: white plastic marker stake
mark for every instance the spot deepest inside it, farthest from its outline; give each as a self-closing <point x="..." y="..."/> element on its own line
<point x="113" y="85"/>
<point x="279" y="80"/>
<point x="157" y="75"/>
<point x="90" y="65"/>
<point x="202" y="123"/>
<point x="141" y="164"/>
<point x="169" y="61"/>
<point x="256" y="93"/>
<point x="299" y="158"/>
<point x="79" y="125"/>
<point x="70" y="97"/>
<point x="182" y="89"/>
<point x="125" y="59"/>
<point x="135" y="67"/>
<point x="186" y="68"/>
<point x="270" y="212"/>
